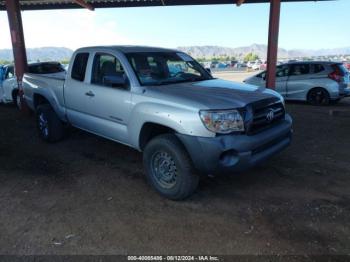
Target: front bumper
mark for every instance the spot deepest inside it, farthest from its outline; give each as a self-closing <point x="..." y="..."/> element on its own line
<point x="228" y="153"/>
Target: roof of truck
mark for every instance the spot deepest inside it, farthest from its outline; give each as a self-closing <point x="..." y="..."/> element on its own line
<point x="130" y="48"/>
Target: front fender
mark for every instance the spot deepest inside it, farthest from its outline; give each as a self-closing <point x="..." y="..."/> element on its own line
<point x="183" y="121"/>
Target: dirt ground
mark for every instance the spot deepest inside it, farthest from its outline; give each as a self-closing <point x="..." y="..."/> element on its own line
<point x="87" y="195"/>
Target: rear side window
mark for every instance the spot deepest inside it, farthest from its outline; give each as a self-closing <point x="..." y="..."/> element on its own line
<point x="79" y="66"/>
<point x="300" y="69"/>
<point x="318" y="68"/>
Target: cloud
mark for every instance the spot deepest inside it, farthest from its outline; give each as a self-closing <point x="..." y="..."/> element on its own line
<point x="66" y="28"/>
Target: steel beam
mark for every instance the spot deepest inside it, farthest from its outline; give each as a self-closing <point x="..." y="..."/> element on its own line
<point x="272" y="50"/>
<point x="84" y="4"/>
<point x="18" y="44"/>
<point x="239" y="2"/>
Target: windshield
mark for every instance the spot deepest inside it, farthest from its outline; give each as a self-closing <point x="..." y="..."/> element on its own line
<point x="161" y="68"/>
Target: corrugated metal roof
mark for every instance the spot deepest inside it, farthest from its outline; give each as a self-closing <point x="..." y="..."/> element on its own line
<point x="68" y="4"/>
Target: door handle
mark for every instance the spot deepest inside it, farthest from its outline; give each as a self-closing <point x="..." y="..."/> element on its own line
<point x="90" y="93"/>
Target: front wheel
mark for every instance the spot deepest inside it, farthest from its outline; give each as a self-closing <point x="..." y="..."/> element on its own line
<point x="50" y="127"/>
<point x="319" y="97"/>
<point x="168" y="167"/>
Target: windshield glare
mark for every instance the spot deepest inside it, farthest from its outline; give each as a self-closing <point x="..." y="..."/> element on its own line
<point x="160" y="68"/>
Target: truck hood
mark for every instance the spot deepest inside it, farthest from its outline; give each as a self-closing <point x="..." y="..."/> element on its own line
<point x="216" y="93"/>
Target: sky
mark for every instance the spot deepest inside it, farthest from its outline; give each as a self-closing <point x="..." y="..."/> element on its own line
<point x="305" y="25"/>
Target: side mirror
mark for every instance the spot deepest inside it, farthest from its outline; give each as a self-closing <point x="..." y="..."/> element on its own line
<point x="208" y="70"/>
<point x="115" y="81"/>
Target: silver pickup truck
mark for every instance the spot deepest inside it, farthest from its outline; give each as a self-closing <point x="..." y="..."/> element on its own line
<point x="164" y="103"/>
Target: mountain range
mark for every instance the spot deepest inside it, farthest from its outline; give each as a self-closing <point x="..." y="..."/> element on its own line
<point x="260" y="50"/>
<point x="62" y="53"/>
<point x="42" y="54"/>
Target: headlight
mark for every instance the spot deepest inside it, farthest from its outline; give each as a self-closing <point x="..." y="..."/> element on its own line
<point x="222" y="122"/>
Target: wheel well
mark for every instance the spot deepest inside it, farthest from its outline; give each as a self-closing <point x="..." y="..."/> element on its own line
<point x="39" y="100"/>
<point x="151" y="130"/>
<point x="312" y="89"/>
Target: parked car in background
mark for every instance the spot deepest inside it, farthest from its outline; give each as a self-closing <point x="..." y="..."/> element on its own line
<point x="214" y="64"/>
<point x="263" y="65"/>
<point x="133" y="96"/>
<point x="240" y="65"/>
<point x="8" y="80"/>
<point x="347" y="65"/>
<point x="233" y="63"/>
<point x="65" y="66"/>
<point x="319" y="83"/>
<point x="256" y="65"/>
<point x="221" y="65"/>
<point x="250" y="64"/>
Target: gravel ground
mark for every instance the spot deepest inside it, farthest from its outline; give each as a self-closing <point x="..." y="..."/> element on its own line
<point x="87" y="195"/>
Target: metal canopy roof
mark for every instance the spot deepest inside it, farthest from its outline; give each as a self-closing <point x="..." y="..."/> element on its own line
<point x="69" y="4"/>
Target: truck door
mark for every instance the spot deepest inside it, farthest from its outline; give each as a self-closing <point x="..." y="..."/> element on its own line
<point x="108" y="98"/>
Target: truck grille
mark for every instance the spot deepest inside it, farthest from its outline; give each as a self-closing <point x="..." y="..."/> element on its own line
<point x="265" y="116"/>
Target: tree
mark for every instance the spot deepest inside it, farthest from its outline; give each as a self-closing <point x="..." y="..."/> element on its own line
<point x="233" y="58"/>
<point x="251" y="57"/>
<point x="65" y="61"/>
<point x="5" y="62"/>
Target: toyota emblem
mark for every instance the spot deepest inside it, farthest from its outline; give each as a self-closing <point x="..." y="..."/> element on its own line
<point x="270" y="115"/>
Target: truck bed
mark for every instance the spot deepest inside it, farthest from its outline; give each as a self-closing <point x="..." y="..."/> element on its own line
<point x="44" y="84"/>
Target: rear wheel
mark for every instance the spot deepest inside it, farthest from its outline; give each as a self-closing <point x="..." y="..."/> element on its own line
<point x="318" y="96"/>
<point x="50" y="127"/>
<point x="168" y="168"/>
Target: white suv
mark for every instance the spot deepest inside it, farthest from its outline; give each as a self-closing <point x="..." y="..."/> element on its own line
<point x="319" y="83"/>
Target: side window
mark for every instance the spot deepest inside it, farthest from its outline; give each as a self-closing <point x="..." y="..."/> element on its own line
<point x="300" y="69"/>
<point x="318" y="68"/>
<point x="108" y="71"/>
<point x="282" y="71"/>
<point x="79" y="66"/>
